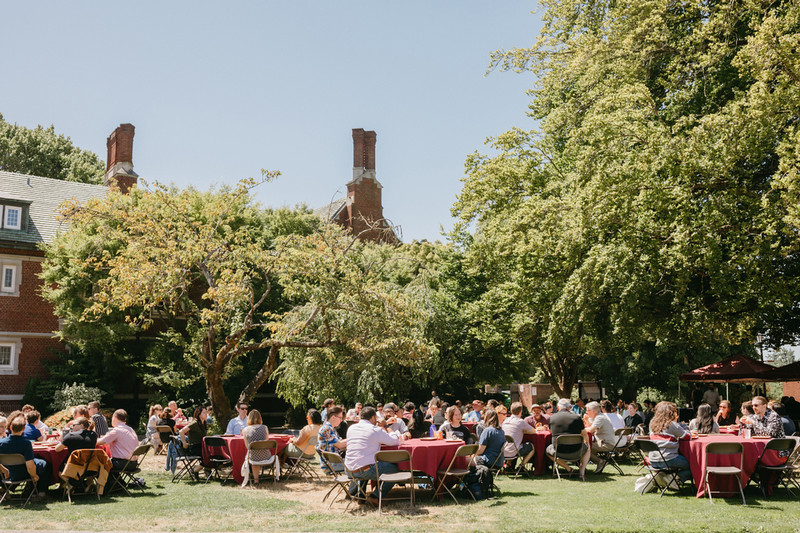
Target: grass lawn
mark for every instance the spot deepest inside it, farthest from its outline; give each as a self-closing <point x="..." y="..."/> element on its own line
<point x="605" y="502"/>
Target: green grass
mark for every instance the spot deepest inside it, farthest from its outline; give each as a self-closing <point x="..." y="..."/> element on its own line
<point x="605" y="502"/>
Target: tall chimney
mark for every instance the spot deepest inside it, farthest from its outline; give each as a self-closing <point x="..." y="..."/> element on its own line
<point x="119" y="164"/>
<point x="364" y="149"/>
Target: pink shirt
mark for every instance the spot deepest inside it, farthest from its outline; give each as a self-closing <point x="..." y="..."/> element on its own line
<point x="363" y="441"/>
<point x="121" y="440"/>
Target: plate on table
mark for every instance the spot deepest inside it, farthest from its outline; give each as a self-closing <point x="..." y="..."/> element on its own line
<point x="428" y="438"/>
<point x="760" y="437"/>
<point x="453" y="440"/>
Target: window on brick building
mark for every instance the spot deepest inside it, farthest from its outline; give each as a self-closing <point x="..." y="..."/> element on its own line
<point x="12" y="217"/>
<point x="8" y="281"/>
<point x="6" y="354"/>
<point x="10" y="348"/>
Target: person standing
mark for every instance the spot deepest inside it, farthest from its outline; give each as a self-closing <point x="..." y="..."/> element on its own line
<point x="711" y="397"/>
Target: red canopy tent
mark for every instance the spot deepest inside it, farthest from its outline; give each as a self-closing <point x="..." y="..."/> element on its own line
<point x="782" y="373"/>
<point x="736" y="369"/>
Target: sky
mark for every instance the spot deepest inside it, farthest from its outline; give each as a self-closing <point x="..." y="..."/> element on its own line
<point x="218" y="91"/>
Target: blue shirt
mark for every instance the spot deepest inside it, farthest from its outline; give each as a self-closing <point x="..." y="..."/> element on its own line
<point x="472" y="416"/>
<point x="235" y="426"/>
<point x="494" y="439"/>
<point x="31" y="433"/>
<point x="17" y="444"/>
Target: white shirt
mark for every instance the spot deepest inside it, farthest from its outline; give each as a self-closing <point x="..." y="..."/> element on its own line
<point x="616" y="420"/>
<point x="515" y="427"/>
<point x="236" y="425"/>
<point x="364" y="441"/>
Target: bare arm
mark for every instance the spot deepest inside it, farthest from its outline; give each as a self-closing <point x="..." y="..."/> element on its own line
<point x="31" y="466"/>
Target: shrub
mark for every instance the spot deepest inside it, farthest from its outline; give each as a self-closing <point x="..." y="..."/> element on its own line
<point x="75" y="394"/>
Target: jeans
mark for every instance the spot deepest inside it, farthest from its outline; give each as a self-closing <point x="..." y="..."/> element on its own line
<point x="371" y="474"/>
<point x="678" y="462"/>
<point x="172" y="457"/>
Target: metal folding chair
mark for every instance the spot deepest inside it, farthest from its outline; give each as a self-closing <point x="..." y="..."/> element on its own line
<point x="84" y="482"/>
<point x="9" y="487"/>
<point x="724" y="448"/>
<point x="395" y="457"/>
<point x="185" y="461"/>
<point x="518" y="457"/>
<point x="219" y="461"/>
<point x="126" y="475"/>
<point x="567" y="439"/>
<point x="340" y="479"/>
<point x="645" y="447"/>
<point x="466" y="451"/>
<point x="621" y="447"/>
<point x="273" y="462"/>
<point x="303" y="465"/>
<point x="782" y="472"/>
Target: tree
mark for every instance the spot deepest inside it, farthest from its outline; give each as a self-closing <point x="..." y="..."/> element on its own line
<point x="208" y="268"/>
<point x="42" y="152"/>
<point x="654" y="205"/>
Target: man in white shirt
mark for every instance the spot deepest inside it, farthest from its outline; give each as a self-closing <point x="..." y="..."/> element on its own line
<point x="515" y="427"/>
<point x="364" y="439"/>
<point x="237" y="424"/>
<point x="395" y="423"/>
<point x="602" y="432"/>
<point x="711" y="397"/>
<point x="355" y="412"/>
<point x="121" y="440"/>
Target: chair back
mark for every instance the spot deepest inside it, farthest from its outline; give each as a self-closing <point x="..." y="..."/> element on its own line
<point x="393" y="456"/>
<point x="647" y="445"/>
<point x="724" y="448"/>
<point x="216" y="442"/>
<point x="622" y="435"/>
<point x="331" y="458"/>
<point x="12" y="459"/>
<point x="165" y="429"/>
<point x="466" y="450"/>
<point x="263" y="445"/>
<point x="781" y="445"/>
<point x="567" y="439"/>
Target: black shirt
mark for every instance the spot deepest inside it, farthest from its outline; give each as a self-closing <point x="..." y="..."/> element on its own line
<point x="633" y="421"/>
<point x="165" y="437"/>
<point x="566" y="423"/>
<point x="85" y="439"/>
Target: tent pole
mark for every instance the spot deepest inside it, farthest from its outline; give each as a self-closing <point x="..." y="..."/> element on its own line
<point x="727" y="392"/>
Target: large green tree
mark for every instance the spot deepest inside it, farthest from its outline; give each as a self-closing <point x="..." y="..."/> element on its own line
<point x="43" y="152"/>
<point x="652" y="205"/>
<point x="208" y="272"/>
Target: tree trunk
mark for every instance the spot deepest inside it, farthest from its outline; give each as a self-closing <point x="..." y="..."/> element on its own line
<point x="261" y="376"/>
<point x="220" y="403"/>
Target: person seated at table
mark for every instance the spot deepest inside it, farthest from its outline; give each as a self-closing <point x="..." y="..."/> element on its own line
<point x="31" y="432"/>
<point x="704" y="422"/>
<point x="435" y="415"/>
<point x="255" y="430"/>
<point x="454" y="427"/>
<point x="354" y="413"/>
<point x="537" y="418"/>
<point x="632" y="417"/>
<point x="13" y="415"/>
<point x="301" y="446"/>
<point x="516" y="427"/>
<point x="364" y="439"/>
<point x="121" y="439"/>
<point x="152" y="435"/>
<point x="41" y="426"/>
<point x="80" y="411"/>
<point x="764" y="422"/>
<point x="610" y="411"/>
<point x="239" y="422"/>
<point x="177" y="413"/>
<point x="3" y="426"/>
<point x="475" y="414"/>
<point x="193" y="434"/>
<point x="492" y="440"/>
<point x="80" y="438"/>
<point x="327" y="404"/>
<point x="418" y="427"/>
<point x="725" y="416"/>
<point x="746" y="410"/>
<point x="408" y="411"/>
<point x="565" y="422"/>
<point x="37" y="469"/>
<point x="394" y="422"/>
<point x="602" y="431"/>
<point x="98" y="419"/>
<point x="166" y="420"/>
<point x="665" y="432"/>
<point x="789" y="427"/>
<point x="329" y="440"/>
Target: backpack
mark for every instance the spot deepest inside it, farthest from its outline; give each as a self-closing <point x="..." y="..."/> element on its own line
<point x="478" y="482"/>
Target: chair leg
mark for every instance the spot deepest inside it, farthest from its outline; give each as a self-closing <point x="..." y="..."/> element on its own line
<point x="739" y="481"/>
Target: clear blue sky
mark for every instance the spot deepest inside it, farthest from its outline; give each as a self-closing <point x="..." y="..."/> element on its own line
<point x="218" y="91"/>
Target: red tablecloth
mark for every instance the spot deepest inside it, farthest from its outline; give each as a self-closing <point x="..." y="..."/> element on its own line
<point x="728" y="431"/>
<point x="56" y="459"/>
<point x="694" y="450"/>
<point x="430" y="456"/>
<point x="238" y="450"/>
<point x="540" y="440"/>
<point x="470" y="426"/>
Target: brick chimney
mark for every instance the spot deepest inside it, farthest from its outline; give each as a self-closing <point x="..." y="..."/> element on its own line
<point x="119" y="164"/>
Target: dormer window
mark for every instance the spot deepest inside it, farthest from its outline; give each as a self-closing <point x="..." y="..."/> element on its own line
<point x="12" y="218"/>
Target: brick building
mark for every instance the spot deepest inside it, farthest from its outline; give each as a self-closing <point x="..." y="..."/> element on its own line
<point x="28" y="208"/>
<point x="361" y="210"/>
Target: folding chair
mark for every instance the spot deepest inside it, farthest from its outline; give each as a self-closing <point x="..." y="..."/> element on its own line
<point x="567" y="439"/>
<point x="645" y="447"/>
<point x="466" y="451"/>
<point x="494" y="470"/>
<point x="340" y="479"/>
<point x="724" y="448"/>
<point x="621" y="446"/>
<point x="303" y="465"/>
<point x="518" y="457"/>
<point x="10" y="488"/>
<point x="163" y="431"/>
<point x="395" y="457"/>
<point x="273" y="461"/>
<point x="762" y="471"/>
<point x="792" y="473"/>
<point x="84" y="480"/>
<point x="218" y="461"/>
<point x="361" y="486"/>
<point x="126" y="475"/>
<point x="185" y="461"/>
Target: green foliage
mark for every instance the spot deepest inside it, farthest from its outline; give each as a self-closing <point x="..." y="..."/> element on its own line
<point x="75" y="394"/>
<point x="42" y="152"/>
<point x="656" y="204"/>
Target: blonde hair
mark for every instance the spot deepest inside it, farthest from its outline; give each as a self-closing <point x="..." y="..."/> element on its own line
<point x="254" y="417"/>
<point x="490" y="418"/>
<point x="154" y="408"/>
<point x="664" y="416"/>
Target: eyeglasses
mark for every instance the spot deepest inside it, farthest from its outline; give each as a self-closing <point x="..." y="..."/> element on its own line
<point x="243" y="408"/>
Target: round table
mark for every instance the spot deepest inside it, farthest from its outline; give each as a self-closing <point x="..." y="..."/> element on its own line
<point x="56" y="459"/>
<point x="541" y="439"/>
<point x="237" y="449"/>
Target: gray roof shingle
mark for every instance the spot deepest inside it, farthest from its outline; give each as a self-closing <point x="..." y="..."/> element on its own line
<point x="44" y="196"/>
<point x="332" y="210"/>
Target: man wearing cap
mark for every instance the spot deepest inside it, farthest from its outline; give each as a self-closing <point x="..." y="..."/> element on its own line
<point x="537" y="417"/>
<point x="475" y="414"/>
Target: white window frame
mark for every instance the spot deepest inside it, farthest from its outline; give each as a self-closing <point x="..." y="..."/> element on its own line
<point x="12" y="368"/>
<point x="6" y="213"/>
<point x="13" y="286"/>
